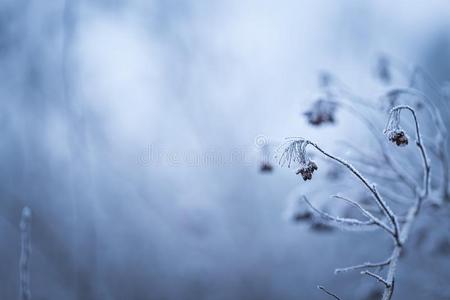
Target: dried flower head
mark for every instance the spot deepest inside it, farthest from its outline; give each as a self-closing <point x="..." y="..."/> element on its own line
<point x="393" y="131"/>
<point x="318" y="226"/>
<point x="307" y="170"/>
<point x="294" y="151"/>
<point x="321" y="112"/>
<point x="398" y="137"/>
<point x="265" y="152"/>
<point x="265" y="167"/>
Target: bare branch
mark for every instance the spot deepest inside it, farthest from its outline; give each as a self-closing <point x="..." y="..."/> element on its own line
<point x="425" y="161"/>
<point x="366" y="213"/>
<point x="363" y="266"/>
<point x="296" y="152"/>
<point x="346" y="222"/>
<point x="377" y="277"/>
<point x="403" y="176"/>
<point x="441" y="139"/>
<point x="328" y="292"/>
<point x="383" y="206"/>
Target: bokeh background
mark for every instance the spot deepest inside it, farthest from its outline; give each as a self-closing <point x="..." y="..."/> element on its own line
<point x="132" y="129"/>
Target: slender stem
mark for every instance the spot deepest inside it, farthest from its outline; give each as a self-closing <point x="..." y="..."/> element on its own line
<point x="441" y="130"/>
<point x="403" y="176"/>
<point x="328" y="292"/>
<point x="377" y="277"/>
<point x="366" y="213"/>
<point x="425" y="161"/>
<point x="389" y="214"/>
<point x="338" y="220"/>
<point x="363" y="266"/>
<point x="412" y="212"/>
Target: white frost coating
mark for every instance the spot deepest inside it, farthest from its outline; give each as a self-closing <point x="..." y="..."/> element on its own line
<point x="292" y="151"/>
<point x="343" y="223"/>
<point x="295" y="151"/>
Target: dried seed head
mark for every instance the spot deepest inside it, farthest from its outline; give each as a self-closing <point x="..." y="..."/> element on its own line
<point x="321" y="112"/>
<point x="302" y="216"/>
<point x="307" y="170"/>
<point x="398" y="137"/>
<point x="320" y="227"/>
<point x="294" y="151"/>
<point x="265" y="167"/>
<point x="393" y="131"/>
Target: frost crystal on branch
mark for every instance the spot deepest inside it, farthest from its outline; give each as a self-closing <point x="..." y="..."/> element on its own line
<point x="381" y="216"/>
<point x="295" y="152"/>
<point x="393" y="131"/>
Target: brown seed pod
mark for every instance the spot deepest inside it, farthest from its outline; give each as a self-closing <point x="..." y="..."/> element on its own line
<point x="398" y="137"/>
<point x="307" y="170"/>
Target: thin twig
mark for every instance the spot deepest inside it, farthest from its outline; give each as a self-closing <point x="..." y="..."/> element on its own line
<point x="377" y="277"/>
<point x="441" y="132"/>
<point x="341" y="221"/>
<point x="365" y="212"/>
<point x="412" y="212"/>
<point x="328" y="292"/>
<point x="403" y="176"/>
<point x="387" y="211"/>
<point x="363" y="266"/>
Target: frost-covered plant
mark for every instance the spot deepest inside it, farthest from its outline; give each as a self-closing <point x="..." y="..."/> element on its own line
<point x="25" y="252"/>
<point x="295" y="152"/>
<point x="265" y="163"/>
<point x="393" y="130"/>
<point x="379" y="212"/>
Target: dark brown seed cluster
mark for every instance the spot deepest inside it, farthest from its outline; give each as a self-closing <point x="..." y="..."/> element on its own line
<point x="399" y="137"/>
<point x="307" y="170"/>
<point x="321" y="227"/>
<point x="302" y="216"/>
<point x="322" y="112"/>
<point x="266" y="167"/>
<point x="317" y="119"/>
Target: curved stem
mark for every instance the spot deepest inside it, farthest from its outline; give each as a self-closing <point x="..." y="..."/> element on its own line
<point x="441" y="137"/>
<point x="413" y="211"/>
<point x="365" y="212"/>
<point x="363" y="266"/>
<point x="403" y="176"/>
<point x="386" y="210"/>
<point x="328" y="292"/>
<point x="425" y="162"/>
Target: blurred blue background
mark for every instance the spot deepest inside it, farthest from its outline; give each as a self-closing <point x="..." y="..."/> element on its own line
<point x="132" y="130"/>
